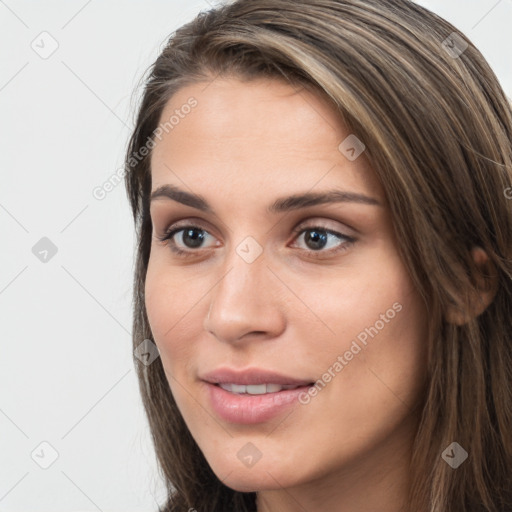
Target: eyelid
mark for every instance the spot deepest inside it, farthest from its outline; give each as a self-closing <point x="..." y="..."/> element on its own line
<point x="184" y="223"/>
<point x="312" y="222"/>
<point x="308" y="223"/>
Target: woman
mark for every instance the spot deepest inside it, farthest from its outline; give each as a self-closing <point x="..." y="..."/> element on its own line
<point x="321" y="190"/>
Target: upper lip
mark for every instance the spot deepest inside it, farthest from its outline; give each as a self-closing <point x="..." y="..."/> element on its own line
<point x="251" y="376"/>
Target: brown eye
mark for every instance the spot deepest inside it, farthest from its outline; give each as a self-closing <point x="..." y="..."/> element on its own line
<point x="191" y="237"/>
<point x="319" y="241"/>
<point x="317" y="238"/>
<point x="188" y="239"/>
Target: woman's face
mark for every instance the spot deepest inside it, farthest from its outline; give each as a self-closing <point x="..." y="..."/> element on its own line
<point x="311" y="289"/>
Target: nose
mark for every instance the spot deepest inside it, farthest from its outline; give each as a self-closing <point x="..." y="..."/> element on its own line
<point x="245" y="303"/>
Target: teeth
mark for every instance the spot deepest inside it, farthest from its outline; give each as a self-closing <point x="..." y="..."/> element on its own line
<point x="255" y="389"/>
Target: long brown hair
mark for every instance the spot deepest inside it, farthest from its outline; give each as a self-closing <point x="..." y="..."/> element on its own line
<point x="438" y="129"/>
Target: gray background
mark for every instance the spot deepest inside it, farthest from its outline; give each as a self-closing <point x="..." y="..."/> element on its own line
<point x="66" y="375"/>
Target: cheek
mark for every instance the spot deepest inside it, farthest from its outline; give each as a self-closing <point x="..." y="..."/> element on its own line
<point x="171" y="306"/>
<point x="378" y="325"/>
<point x="354" y="298"/>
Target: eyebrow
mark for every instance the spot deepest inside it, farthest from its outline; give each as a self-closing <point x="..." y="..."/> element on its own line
<point x="280" y="205"/>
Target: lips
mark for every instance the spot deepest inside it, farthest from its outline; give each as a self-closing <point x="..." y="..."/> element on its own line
<point x="253" y="377"/>
<point x="245" y="408"/>
<point x="251" y="396"/>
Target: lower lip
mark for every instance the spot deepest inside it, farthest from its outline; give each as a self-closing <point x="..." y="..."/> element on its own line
<point x="247" y="409"/>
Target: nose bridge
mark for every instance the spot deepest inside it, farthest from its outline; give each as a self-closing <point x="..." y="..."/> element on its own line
<point x="241" y="302"/>
<point x="245" y="273"/>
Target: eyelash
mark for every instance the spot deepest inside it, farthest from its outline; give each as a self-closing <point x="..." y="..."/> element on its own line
<point x="169" y="234"/>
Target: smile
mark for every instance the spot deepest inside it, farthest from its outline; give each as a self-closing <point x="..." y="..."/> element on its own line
<point x="255" y="389"/>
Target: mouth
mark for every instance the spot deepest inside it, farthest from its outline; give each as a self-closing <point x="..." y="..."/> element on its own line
<point x="253" y="395"/>
<point x="249" y="404"/>
<point x="258" y="389"/>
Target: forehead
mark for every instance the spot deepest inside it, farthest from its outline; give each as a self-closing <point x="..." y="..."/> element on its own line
<point x="257" y="109"/>
<point x="264" y="131"/>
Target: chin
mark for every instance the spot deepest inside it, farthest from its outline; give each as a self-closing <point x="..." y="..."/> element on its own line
<point x="263" y="476"/>
<point x="251" y="482"/>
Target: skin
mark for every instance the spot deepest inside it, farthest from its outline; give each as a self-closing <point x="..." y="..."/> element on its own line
<point x="244" y="145"/>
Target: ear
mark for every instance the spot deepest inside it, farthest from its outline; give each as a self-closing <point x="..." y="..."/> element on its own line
<point x="483" y="294"/>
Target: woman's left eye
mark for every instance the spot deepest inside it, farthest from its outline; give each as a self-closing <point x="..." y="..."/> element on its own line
<point x="317" y="238"/>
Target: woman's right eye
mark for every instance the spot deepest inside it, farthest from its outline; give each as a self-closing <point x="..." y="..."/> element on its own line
<point x="191" y="238"/>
